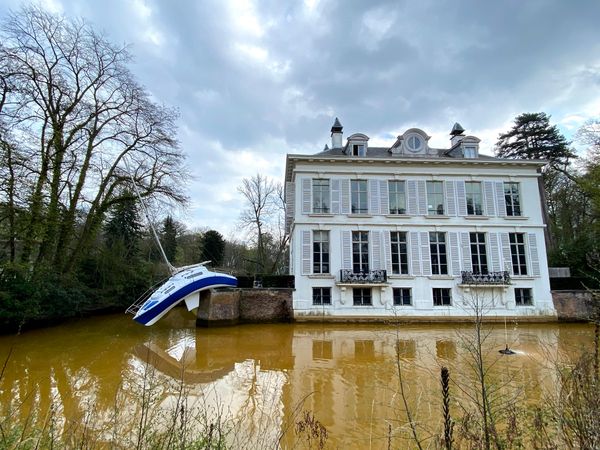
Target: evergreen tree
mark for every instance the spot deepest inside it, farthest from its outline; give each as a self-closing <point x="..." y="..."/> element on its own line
<point x="213" y="247"/>
<point x="169" y="238"/>
<point x="532" y="137"/>
<point x="123" y="226"/>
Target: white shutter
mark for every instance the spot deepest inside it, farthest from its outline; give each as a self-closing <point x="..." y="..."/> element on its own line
<point x="533" y="253"/>
<point x="461" y="198"/>
<point x="422" y="197"/>
<point x="415" y="257"/>
<point x="373" y="196"/>
<point x="411" y="188"/>
<point x="345" y="196"/>
<point x="500" y="201"/>
<point x="495" y="265"/>
<point x="375" y="250"/>
<point x="489" y="198"/>
<point x="425" y="254"/>
<point x="384" y="201"/>
<point x="335" y="196"/>
<point x="306" y="194"/>
<point x="506" y="255"/>
<point x="346" y="249"/>
<point x="454" y="253"/>
<point x="290" y="200"/>
<point x="465" y="245"/>
<point x="306" y="259"/>
<point x="450" y="198"/>
<point x="387" y="251"/>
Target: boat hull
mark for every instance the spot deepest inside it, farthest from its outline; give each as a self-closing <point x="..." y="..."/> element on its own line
<point x="156" y="307"/>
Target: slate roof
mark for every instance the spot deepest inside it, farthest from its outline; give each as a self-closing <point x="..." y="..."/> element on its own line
<point x="384" y="152"/>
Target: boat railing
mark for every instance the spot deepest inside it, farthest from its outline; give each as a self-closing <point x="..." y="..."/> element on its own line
<point x="135" y="306"/>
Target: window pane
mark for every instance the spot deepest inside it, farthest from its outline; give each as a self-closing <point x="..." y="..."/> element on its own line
<point x="435" y="197"/>
<point x="359" y="202"/>
<point x="397" y="197"/>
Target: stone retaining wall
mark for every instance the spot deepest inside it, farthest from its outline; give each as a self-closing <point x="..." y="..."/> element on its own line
<point x="572" y="306"/>
<point x="233" y="306"/>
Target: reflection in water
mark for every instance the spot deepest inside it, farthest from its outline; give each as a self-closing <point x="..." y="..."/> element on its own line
<point x="261" y="377"/>
<point x="445" y="349"/>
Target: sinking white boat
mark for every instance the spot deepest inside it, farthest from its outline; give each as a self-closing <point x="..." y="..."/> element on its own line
<point x="184" y="286"/>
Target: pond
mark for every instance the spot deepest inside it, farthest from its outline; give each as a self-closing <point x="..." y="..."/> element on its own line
<point x="267" y="385"/>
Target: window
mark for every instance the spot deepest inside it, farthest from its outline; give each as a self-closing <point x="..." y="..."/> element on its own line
<point x="435" y="198"/>
<point x="478" y="254"/>
<point x="360" y="251"/>
<point x="470" y="152"/>
<point x="402" y="297"/>
<point x="320" y="251"/>
<point x="517" y="252"/>
<point x="512" y="199"/>
<point x="359" y="196"/>
<point x="397" y="196"/>
<point x="321" y="296"/>
<point x="322" y="349"/>
<point x="523" y="297"/>
<point x="437" y="247"/>
<point x="320" y="192"/>
<point x="399" y="252"/>
<point x="361" y="296"/>
<point x="474" y="198"/>
<point x="442" y="297"/>
<point x="358" y="150"/>
<point x="414" y="143"/>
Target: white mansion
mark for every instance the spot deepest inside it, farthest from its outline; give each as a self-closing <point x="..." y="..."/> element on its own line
<point x="415" y="232"/>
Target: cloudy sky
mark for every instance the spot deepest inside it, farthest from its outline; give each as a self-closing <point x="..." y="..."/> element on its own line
<point x="254" y="80"/>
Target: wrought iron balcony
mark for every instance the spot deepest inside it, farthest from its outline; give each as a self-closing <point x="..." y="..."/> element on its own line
<point x="366" y="277"/>
<point x="502" y="277"/>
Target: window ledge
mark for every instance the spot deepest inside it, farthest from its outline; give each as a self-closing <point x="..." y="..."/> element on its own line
<point x="475" y="217"/>
<point x="400" y="277"/>
<point x="516" y="217"/>
<point x="440" y="277"/>
<point x="320" y="215"/>
<point x="525" y="306"/>
<point x="322" y="276"/>
<point x="522" y="277"/>
<point x="366" y="216"/>
<point x="398" y="216"/>
<point x="437" y="216"/>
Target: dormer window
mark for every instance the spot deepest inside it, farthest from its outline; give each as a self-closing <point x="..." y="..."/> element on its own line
<point x="357" y="145"/>
<point x="470" y="152"/>
<point x="358" y="150"/>
<point x="414" y="143"/>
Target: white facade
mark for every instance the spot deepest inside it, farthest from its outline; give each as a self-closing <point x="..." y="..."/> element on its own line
<point x="418" y="232"/>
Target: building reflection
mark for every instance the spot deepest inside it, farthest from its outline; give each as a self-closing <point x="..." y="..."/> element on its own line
<point x="266" y="375"/>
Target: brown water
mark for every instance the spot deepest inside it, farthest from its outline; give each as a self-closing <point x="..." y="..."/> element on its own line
<point x="262" y="377"/>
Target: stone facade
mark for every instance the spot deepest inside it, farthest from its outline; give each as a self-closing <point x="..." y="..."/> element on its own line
<point x="233" y="306"/>
<point x="573" y="306"/>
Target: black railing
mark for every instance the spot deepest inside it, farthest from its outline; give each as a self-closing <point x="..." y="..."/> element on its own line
<point x="502" y="277"/>
<point x="368" y="276"/>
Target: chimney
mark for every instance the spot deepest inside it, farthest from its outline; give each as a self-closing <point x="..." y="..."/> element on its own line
<point x="336" y="134"/>
<point x="457" y="134"/>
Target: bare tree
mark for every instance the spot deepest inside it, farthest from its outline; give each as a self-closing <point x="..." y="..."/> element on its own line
<point x="81" y="119"/>
<point x="264" y="219"/>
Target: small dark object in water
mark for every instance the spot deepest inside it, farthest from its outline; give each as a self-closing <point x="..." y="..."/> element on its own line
<point x="506" y="351"/>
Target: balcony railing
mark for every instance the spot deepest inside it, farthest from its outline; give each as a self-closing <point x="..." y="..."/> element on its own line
<point x="502" y="277"/>
<point x="366" y="277"/>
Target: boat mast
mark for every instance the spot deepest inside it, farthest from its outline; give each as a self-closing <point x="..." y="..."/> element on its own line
<point x="154" y="233"/>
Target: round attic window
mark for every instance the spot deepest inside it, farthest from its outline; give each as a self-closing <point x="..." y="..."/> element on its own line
<point x="414" y="143"/>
